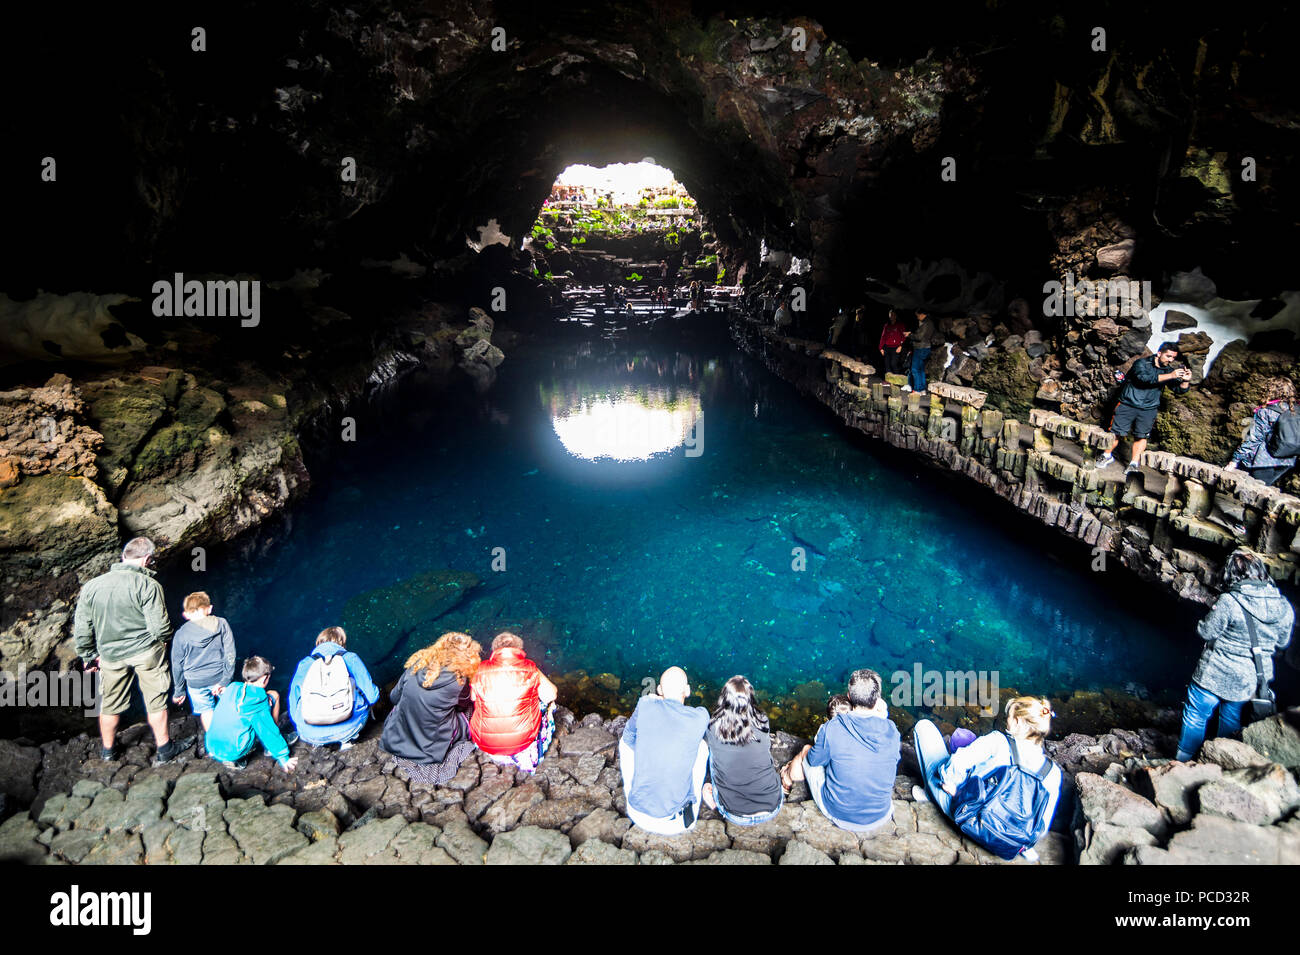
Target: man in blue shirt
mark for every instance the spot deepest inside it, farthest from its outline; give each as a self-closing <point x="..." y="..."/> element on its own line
<point x="663" y="756"/>
<point x="850" y="769"/>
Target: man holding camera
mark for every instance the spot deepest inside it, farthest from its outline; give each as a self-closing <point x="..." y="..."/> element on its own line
<point x="1140" y="401"/>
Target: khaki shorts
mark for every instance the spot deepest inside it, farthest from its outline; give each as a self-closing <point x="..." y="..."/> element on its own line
<point x="150" y="668"/>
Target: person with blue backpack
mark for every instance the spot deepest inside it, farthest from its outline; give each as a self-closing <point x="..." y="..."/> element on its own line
<point x="331" y="693"/>
<point x="1000" y="789"/>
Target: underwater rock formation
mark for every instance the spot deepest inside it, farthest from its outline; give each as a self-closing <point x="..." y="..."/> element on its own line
<point x="378" y="620"/>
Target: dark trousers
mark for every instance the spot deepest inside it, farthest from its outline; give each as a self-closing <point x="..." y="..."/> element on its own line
<point x="1267" y="475"/>
<point x="895" y="362"/>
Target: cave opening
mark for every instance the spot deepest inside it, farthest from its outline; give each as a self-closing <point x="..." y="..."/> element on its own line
<point x="631" y="225"/>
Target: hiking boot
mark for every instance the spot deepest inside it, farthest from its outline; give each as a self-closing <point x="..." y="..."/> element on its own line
<point x="171" y="749"/>
<point x="107" y="753"/>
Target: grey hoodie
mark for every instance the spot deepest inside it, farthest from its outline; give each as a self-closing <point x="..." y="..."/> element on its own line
<point x="1227" y="668"/>
<point x="203" y="654"/>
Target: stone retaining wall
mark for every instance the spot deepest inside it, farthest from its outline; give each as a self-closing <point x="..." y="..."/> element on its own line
<point x="1172" y="522"/>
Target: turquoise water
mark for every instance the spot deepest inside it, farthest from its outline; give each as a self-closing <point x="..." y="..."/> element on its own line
<point x="621" y="564"/>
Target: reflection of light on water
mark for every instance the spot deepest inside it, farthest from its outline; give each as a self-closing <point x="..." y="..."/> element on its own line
<point x="625" y="428"/>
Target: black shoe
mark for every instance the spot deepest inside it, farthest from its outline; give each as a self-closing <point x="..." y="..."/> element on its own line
<point x="290" y="738"/>
<point x="107" y="753"/>
<point x="171" y="749"/>
<point x="236" y="765"/>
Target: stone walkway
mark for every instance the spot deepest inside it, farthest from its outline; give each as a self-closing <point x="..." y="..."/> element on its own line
<point x="353" y="808"/>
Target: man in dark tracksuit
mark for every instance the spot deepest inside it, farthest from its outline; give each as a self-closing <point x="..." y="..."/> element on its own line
<point x="1140" y="400"/>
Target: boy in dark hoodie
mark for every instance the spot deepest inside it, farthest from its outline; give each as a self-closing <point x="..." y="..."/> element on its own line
<point x="246" y="715"/>
<point x="203" y="657"/>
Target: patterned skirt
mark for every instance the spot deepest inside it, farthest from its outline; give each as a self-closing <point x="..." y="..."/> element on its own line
<point x="439" y="774"/>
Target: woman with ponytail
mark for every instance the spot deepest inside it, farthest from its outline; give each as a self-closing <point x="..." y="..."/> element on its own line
<point x="1006" y="812"/>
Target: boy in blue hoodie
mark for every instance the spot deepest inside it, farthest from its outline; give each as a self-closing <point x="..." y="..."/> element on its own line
<point x="246" y="714"/>
<point x="203" y="657"/>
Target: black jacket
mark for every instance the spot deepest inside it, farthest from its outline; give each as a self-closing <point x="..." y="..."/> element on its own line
<point x="425" y="721"/>
<point x="1142" y="384"/>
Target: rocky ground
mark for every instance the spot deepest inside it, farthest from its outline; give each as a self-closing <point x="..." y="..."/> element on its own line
<point x="1236" y="805"/>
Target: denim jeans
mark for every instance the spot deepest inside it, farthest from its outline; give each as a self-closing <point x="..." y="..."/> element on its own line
<point x="917" y="377"/>
<point x="202" y="698"/>
<point x="1198" y="709"/>
<point x="932" y="753"/>
<point x="752" y="819"/>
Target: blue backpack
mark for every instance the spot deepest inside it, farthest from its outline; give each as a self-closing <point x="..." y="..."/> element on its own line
<point x="1003" y="810"/>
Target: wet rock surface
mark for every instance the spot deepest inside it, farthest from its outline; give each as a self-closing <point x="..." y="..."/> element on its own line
<point x="85" y="811"/>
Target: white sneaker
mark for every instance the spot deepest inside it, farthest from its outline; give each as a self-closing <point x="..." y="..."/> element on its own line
<point x="1029" y="855"/>
<point x="1106" y="460"/>
<point x="1132" y="466"/>
<point x="919" y="794"/>
<point x="907" y="388"/>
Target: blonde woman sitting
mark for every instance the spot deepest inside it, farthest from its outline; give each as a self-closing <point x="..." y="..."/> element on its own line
<point x="1001" y="790"/>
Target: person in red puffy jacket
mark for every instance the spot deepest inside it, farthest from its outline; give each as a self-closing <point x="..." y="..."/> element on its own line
<point x="513" y="719"/>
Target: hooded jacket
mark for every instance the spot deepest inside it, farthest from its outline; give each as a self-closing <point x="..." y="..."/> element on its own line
<point x="861" y="755"/>
<point x="242" y="717"/>
<point x="203" y="654"/>
<point x="1227" y="667"/>
<point x="365" y="695"/>
<point x="1253" y="452"/>
<point x="120" y="614"/>
<point x="426" y="720"/>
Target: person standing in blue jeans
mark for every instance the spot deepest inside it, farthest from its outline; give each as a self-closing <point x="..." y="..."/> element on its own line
<point x="1226" y="675"/>
<point x="743" y="786"/>
<point x="923" y="339"/>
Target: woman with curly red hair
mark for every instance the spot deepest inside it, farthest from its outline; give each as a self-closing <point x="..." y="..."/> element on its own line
<point x="428" y="730"/>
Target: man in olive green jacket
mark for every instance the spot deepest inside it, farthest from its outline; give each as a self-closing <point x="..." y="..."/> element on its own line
<point x="120" y="629"/>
